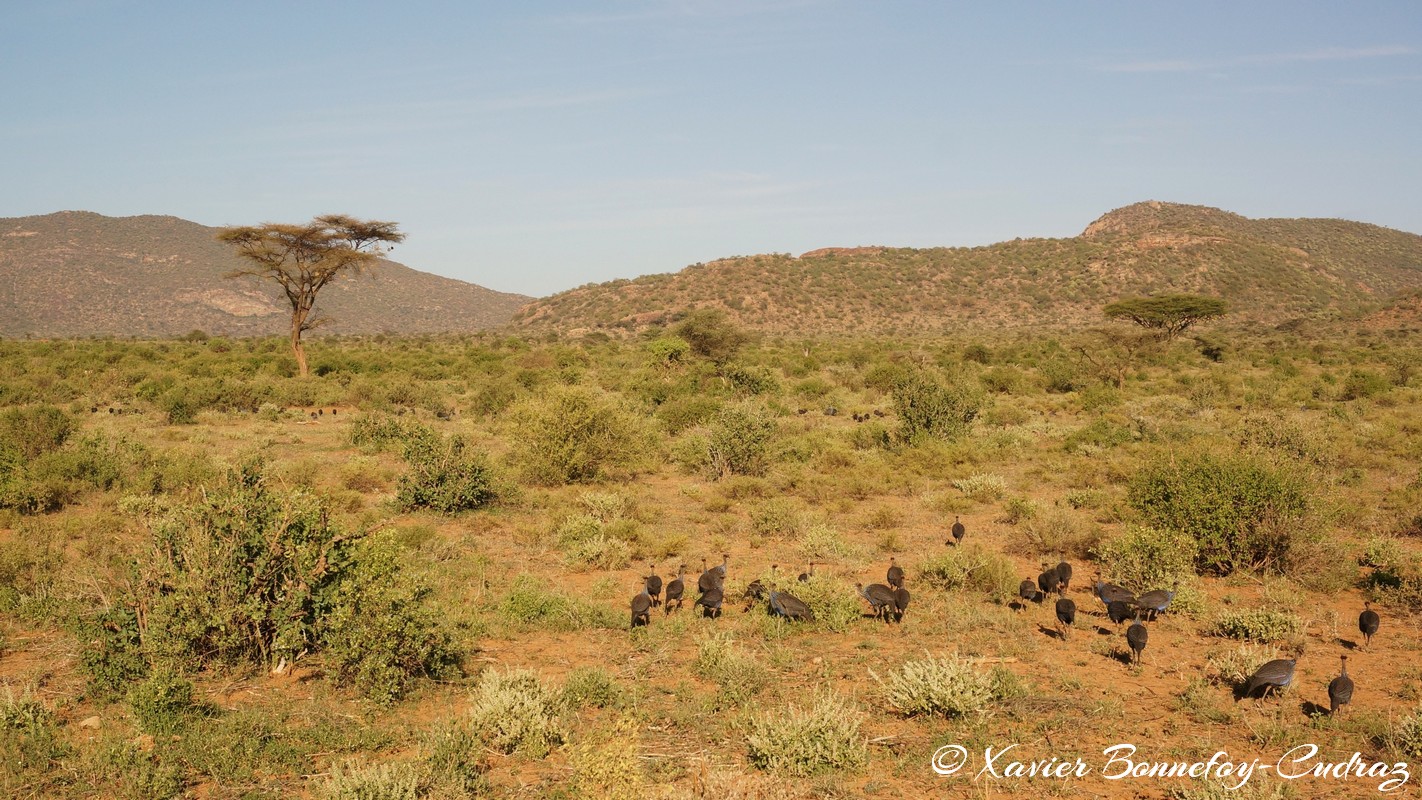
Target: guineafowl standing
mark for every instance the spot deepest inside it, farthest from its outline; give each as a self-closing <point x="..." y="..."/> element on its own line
<point x="1136" y="638"/>
<point x="880" y="597"/>
<point x="641" y="607"/>
<point x="808" y="574"/>
<point x="788" y="606"/>
<point x="755" y="590"/>
<point x="1340" y="689"/>
<point x="1063" y="577"/>
<point x="1119" y="611"/>
<point x="709" y="579"/>
<point x="710" y="602"/>
<point x="1274" y="675"/>
<point x="1156" y="601"/>
<point x="1027" y="590"/>
<point x="958" y="532"/>
<point x="1066" y="616"/>
<point x="1047" y="580"/>
<point x="675" y="589"/>
<point x="1368" y="623"/>
<point x="1110" y="592"/>
<point x="654" y="585"/>
<point x="721" y="568"/>
<point x="895" y="575"/>
<point x="901" y="601"/>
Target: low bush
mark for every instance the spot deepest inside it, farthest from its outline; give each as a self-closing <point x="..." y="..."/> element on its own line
<point x="447" y="476"/>
<point x="605" y="764"/>
<point x="948" y="687"/>
<point x="973" y="568"/>
<point x="738" y="442"/>
<point x="982" y="487"/>
<point x="162" y="703"/>
<point x="823" y="737"/>
<point x="513" y="712"/>
<point x="929" y="406"/>
<point x="592" y="687"/>
<point x="1233" y="666"/>
<point x="573" y="434"/>
<point x="531" y="604"/>
<point x="1142" y="559"/>
<point x="1260" y="625"/>
<point x="737" y="673"/>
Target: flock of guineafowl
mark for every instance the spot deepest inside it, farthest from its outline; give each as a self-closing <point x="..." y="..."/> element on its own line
<point x="889" y="600"/>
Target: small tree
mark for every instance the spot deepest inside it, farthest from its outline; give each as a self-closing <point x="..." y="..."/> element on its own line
<point x="1169" y="315"/>
<point x="304" y="259"/>
<point x="710" y="334"/>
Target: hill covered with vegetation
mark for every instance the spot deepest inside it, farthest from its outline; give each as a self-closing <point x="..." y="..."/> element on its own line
<point x="1270" y="270"/>
<point x="76" y="273"/>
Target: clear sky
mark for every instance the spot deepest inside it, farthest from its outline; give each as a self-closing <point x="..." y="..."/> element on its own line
<point x="537" y="146"/>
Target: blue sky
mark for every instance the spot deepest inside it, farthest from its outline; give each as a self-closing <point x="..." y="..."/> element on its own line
<point x="537" y="146"/>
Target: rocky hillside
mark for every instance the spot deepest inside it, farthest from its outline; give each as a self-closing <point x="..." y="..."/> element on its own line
<point x="1271" y="271"/>
<point x="77" y="273"/>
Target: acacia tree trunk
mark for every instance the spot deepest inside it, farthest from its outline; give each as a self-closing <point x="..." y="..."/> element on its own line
<point x="298" y="321"/>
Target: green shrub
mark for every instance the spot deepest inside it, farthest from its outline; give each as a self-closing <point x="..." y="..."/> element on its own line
<point x="1260" y="625"/>
<point x="928" y="406"/>
<point x="1233" y="666"/>
<point x="737" y="441"/>
<point x="1405" y="735"/>
<point x="1018" y="509"/>
<point x="1243" y="511"/>
<point x="1143" y="559"/>
<point x="737" y="673"/>
<point x="605" y="764"/>
<point x="513" y="712"/>
<point x="446" y="476"/>
<point x="776" y="518"/>
<point x="374" y="433"/>
<point x="710" y="334"/>
<point x="982" y="487"/>
<point x="591" y="687"/>
<point x="948" y="687"/>
<point x="162" y="703"/>
<point x="31" y="749"/>
<point x="378" y="633"/>
<point x="112" y="655"/>
<point x="350" y="780"/>
<point x="32" y="431"/>
<point x="750" y="380"/>
<point x="823" y="737"/>
<point x="531" y="605"/>
<point x="821" y="541"/>
<point x="574" y="435"/>
<point x="973" y="568"/>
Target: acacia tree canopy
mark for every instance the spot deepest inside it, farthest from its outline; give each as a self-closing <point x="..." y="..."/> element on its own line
<point x="1169" y="314"/>
<point x="304" y="259"/>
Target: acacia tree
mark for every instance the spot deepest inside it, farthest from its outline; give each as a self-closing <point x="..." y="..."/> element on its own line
<point x="1169" y="315"/>
<point x="304" y="259"/>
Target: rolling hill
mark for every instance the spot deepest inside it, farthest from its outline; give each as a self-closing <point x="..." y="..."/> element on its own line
<point x="76" y="273"/>
<point x="1270" y="270"/>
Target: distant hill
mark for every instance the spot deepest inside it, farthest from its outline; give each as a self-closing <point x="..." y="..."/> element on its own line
<point x="1270" y="270"/>
<point x="77" y="273"/>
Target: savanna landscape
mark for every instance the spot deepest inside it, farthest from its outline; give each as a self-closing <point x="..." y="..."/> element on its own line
<point x="412" y="572"/>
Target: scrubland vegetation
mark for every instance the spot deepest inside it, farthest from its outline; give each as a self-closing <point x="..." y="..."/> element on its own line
<point x="408" y="575"/>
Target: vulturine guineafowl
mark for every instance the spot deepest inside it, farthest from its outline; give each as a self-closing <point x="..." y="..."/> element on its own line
<point x="1156" y="601"/>
<point x="1027" y="590"/>
<point x="880" y="597"/>
<point x="654" y="585"/>
<point x="1047" y="580"/>
<point x="642" y="607"/>
<point x="901" y="602"/>
<point x="1063" y="577"/>
<point x="788" y="606"/>
<point x="710" y="602"/>
<point x="1368" y="622"/>
<point x="710" y="578"/>
<point x="1273" y="676"/>
<point x="675" y="590"/>
<point x="1340" y="689"/>
<point x="1136" y="638"/>
<point x="895" y="575"/>
<point x="1110" y="592"/>
<point x="807" y="574"/>
<point x="1066" y="616"/>
<point x="958" y="532"/>
<point x="1119" y="611"/>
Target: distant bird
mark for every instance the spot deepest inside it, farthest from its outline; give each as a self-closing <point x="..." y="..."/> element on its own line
<point x="675" y="589"/>
<point x="802" y="411"/>
<point x="320" y="412"/>
<point x="1110" y="592"/>
<point x="1274" y="675"/>
<point x="333" y="412"/>
<point x="1136" y="638"/>
<point x="901" y="603"/>
<point x="1368" y="623"/>
<point x="878" y="412"/>
<point x="709" y="579"/>
<point x="1340" y="689"/>
<point x="1066" y="616"/>
<point x="808" y="574"/>
<point x="788" y="606"/>
<point x="959" y="531"/>
<point x="1027" y="590"/>
<point x="755" y="590"/>
<point x="654" y="585"/>
<point x="710" y="602"/>
<point x="1063" y="577"/>
<point x="93" y="409"/>
<point x="830" y="411"/>
<point x="1119" y="611"/>
<point x="1048" y="580"/>
<point x="895" y="575"/>
<point x="641" y="607"/>
<point x="1156" y="601"/>
<point x="880" y="597"/>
